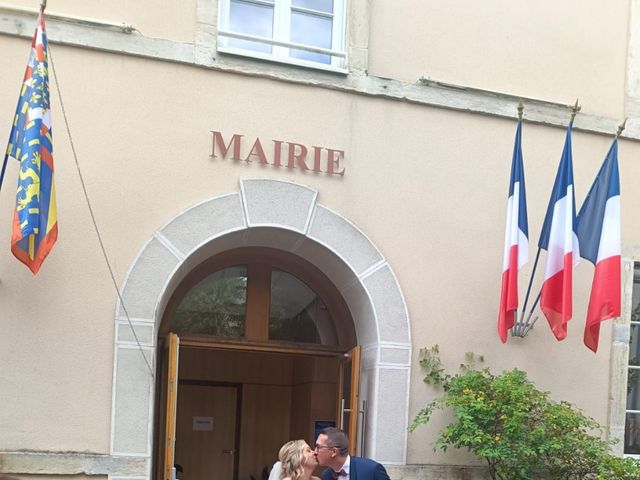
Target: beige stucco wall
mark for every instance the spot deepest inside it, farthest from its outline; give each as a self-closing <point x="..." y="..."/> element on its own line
<point x="426" y="185"/>
<point x="557" y="51"/>
<point x="170" y="20"/>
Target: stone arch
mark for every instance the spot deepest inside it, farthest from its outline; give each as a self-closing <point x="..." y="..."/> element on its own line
<point x="287" y="216"/>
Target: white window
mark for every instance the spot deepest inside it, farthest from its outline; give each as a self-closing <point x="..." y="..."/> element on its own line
<point x="301" y="32"/>
<point x="632" y="424"/>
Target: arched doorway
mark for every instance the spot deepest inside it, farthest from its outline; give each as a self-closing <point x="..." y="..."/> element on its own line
<point x="267" y="352"/>
<point x="287" y="217"/>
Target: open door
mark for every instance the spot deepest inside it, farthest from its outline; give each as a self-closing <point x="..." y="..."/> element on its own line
<point x="349" y="395"/>
<point x="173" y="344"/>
<point x="207" y="429"/>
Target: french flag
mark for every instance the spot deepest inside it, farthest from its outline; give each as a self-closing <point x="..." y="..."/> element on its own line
<point x="599" y="234"/>
<point x="516" y="240"/>
<point x="559" y="239"/>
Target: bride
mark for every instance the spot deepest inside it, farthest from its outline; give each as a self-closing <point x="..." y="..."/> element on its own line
<point x="298" y="461"/>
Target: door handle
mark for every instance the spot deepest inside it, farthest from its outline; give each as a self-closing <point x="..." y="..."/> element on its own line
<point x="228" y="452"/>
<point x="363" y="426"/>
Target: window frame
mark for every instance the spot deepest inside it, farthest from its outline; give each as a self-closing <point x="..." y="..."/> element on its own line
<point x="628" y="367"/>
<point x="280" y="40"/>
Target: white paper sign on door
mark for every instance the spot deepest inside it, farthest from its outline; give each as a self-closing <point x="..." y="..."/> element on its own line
<point x="203" y="424"/>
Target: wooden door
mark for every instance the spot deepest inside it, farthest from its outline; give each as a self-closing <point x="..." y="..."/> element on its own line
<point x="349" y="396"/>
<point x="173" y="346"/>
<point x="206" y="431"/>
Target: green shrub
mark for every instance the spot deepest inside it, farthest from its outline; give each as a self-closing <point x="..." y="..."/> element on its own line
<point x="517" y="429"/>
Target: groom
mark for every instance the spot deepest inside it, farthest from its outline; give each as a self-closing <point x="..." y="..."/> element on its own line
<point x="332" y="451"/>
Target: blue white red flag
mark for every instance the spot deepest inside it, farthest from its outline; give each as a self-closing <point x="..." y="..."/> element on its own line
<point x="516" y="240"/>
<point x="599" y="234"/>
<point x="35" y="224"/>
<point x="559" y="239"/>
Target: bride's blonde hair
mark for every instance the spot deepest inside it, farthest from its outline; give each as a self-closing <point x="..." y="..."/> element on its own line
<point x="292" y="458"/>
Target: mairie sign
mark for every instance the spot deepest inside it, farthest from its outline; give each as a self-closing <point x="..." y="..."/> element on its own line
<point x="278" y="153"/>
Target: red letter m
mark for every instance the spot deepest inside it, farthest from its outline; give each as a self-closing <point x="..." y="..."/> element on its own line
<point x="224" y="149"/>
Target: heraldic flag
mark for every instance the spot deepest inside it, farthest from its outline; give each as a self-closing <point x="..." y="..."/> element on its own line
<point x="558" y="237"/>
<point x="516" y="240"/>
<point x="35" y="223"/>
<point x="599" y="234"/>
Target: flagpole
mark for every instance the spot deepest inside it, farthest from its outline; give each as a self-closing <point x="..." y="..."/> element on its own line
<point x="519" y="330"/>
<point x="43" y="5"/>
<point x="4" y="167"/>
<point x="516" y="232"/>
<point x="528" y="326"/>
<point x="514" y="330"/>
<point x="523" y="328"/>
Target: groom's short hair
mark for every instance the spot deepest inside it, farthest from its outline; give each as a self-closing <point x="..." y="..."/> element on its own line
<point x="337" y="439"/>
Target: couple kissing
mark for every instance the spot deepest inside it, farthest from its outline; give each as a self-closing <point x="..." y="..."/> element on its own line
<point x="298" y="460"/>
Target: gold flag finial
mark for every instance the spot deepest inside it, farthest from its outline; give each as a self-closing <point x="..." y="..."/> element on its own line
<point x="520" y="109"/>
<point x="621" y="128"/>
<point x="575" y="109"/>
<point x="43" y="5"/>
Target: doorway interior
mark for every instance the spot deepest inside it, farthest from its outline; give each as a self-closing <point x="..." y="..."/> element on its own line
<point x="257" y="348"/>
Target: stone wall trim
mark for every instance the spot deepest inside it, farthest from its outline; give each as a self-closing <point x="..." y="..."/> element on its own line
<point x="71" y="463"/>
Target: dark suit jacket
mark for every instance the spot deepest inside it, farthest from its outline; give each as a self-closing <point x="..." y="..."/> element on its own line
<point x="361" y="468"/>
